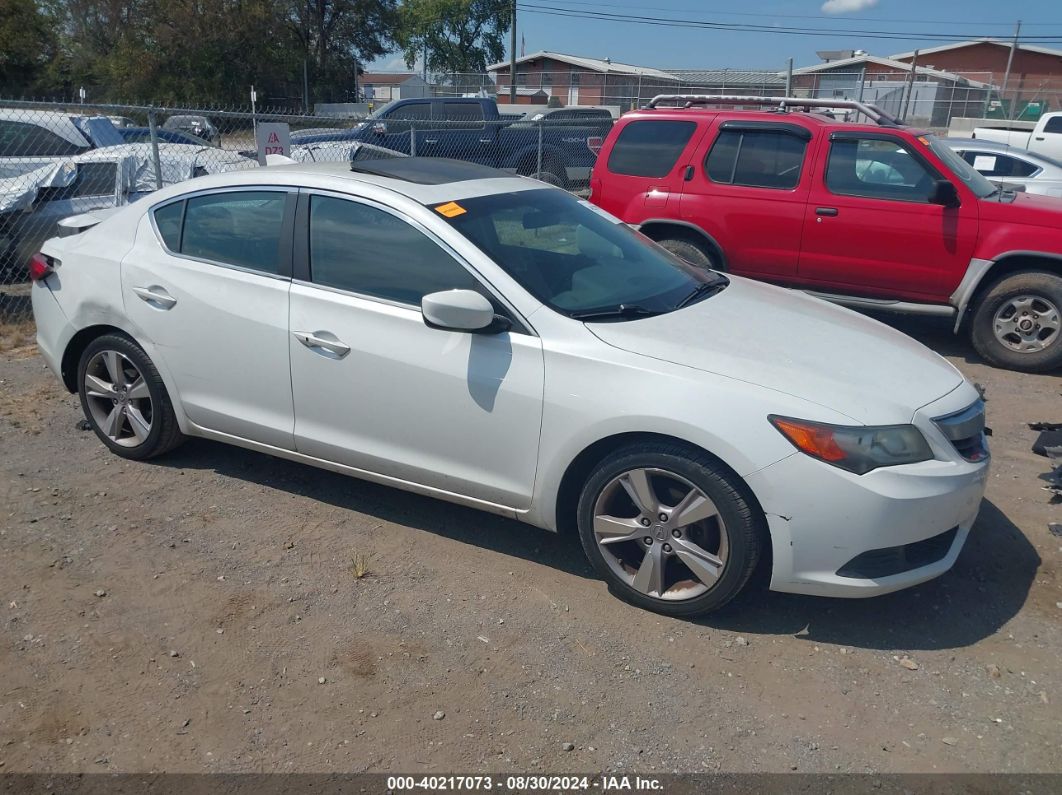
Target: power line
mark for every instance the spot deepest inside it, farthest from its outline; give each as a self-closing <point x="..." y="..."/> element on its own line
<point x="604" y="16"/>
<point x="820" y="17"/>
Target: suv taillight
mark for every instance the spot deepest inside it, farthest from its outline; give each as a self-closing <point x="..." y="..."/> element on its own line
<point x="39" y="267"/>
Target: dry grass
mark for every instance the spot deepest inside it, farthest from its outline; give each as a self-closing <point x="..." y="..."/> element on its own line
<point x="359" y="565"/>
<point x="16" y="336"/>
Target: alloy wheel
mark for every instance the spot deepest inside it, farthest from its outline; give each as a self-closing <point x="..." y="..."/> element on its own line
<point x="1027" y="323"/>
<point x="118" y="398"/>
<point x="660" y="534"/>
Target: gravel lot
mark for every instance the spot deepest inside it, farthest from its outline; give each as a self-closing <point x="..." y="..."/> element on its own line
<point x="202" y="613"/>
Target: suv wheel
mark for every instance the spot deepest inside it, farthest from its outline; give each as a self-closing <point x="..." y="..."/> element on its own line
<point x="1017" y="324"/>
<point x="124" y="399"/>
<point x="668" y="529"/>
<point x="697" y="254"/>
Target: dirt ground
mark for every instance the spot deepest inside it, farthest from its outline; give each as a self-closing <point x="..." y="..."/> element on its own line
<point x="204" y="613"/>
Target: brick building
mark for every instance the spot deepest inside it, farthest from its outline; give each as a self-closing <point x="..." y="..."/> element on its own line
<point x="574" y="80"/>
<point x="1035" y="74"/>
<point x="931" y="98"/>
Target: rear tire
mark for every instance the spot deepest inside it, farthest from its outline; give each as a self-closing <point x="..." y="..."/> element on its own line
<point x="1017" y="323"/>
<point x="124" y="399"/>
<point x="697" y="254"/>
<point x="669" y="528"/>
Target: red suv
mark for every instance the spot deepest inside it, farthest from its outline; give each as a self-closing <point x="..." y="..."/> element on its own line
<point x="877" y="216"/>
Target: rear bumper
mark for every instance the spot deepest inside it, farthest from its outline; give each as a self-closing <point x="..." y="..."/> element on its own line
<point x="54" y="330"/>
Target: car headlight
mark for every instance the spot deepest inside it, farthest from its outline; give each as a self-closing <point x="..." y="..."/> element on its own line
<point x="858" y="449"/>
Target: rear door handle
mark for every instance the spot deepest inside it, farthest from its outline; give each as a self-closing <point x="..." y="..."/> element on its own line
<point x="826" y="211"/>
<point x="312" y="339"/>
<point x="156" y="296"/>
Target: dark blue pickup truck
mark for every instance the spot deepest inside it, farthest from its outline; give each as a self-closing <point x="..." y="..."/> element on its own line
<point x="473" y="129"/>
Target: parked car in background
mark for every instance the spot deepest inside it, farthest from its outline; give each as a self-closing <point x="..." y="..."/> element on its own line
<point x="686" y="423"/>
<point x="877" y="216"/>
<point x="142" y="135"/>
<point x="1009" y="167"/>
<point x="1045" y="138"/>
<point x="199" y="126"/>
<point x="32" y="139"/>
<point x="473" y="129"/>
<point x="43" y="189"/>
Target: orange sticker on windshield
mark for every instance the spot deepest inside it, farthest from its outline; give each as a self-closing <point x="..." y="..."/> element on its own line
<point x="450" y="210"/>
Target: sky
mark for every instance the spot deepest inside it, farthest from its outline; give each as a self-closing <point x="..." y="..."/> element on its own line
<point x="670" y="47"/>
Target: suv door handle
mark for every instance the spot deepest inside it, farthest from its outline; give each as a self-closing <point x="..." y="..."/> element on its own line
<point x="311" y="341"/>
<point x="826" y="211"/>
<point x="156" y="296"/>
<point x="688" y="175"/>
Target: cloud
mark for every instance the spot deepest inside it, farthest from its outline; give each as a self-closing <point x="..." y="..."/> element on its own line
<point x="847" y="6"/>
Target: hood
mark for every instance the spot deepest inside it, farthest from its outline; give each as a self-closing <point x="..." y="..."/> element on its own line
<point x="790" y="342"/>
<point x="1030" y="209"/>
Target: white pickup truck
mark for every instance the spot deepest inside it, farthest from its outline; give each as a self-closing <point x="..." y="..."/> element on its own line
<point x="1044" y="139"/>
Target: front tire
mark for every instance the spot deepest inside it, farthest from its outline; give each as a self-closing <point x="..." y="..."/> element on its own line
<point x="669" y="529"/>
<point x="124" y="399"/>
<point x="1017" y="323"/>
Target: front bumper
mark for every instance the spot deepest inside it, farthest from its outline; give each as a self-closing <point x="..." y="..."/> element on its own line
<point x="835" y="533"/>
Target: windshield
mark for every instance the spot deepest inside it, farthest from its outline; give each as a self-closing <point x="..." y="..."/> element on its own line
<point x="963" y="170"/>
<point x="577" y="259"/>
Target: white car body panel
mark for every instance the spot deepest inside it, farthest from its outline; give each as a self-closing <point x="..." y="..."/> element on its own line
<point x="495" y="421"/>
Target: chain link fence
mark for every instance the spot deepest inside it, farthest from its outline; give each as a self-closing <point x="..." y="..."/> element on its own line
<point x="62" y="160"/>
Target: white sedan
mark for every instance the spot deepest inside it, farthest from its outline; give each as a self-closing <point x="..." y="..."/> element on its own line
<point x="450" y="330"/>
<point x="1010" y="166"/>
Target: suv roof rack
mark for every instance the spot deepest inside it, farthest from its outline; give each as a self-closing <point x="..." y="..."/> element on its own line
<point x="783" y="104"/>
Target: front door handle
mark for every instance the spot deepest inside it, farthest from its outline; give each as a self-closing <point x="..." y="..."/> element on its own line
<point x="831" y="211"/>
<point x="156" y="296"/>
<point x="313" y="339"/>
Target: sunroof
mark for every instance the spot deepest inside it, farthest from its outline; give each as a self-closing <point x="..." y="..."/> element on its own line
<point x="426" y="170"/>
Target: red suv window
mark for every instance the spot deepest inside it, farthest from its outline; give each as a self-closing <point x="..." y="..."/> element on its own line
<point x="649" y="148"/>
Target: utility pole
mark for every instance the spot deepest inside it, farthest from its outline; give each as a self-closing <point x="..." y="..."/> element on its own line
<point x="910" y="86"/>
<point x="1008" y="113"/>
<point x="305" y="88"/>
<point x="512" y="58"/>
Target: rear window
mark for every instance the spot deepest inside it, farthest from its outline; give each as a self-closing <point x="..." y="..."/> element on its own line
<point x="650" y="148"/>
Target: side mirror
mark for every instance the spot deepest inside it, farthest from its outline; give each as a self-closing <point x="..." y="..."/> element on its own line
<point x="944" y="193"/>
<point x="379" y="128"/>
<point x="460" y="310"/>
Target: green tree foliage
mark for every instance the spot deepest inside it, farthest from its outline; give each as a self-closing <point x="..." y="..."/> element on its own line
<point x="189" y="51"/>
<point x="455" y="35"/>
<point x="27" y="45"/>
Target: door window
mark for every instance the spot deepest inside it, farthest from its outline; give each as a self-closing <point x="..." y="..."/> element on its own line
<point x="362" y="249"/>
<point x="756" y="158"/>
<point x="1053" y="125"/>
<point x="463" y="115"/>
<point x="650" y="148"/>
<point x="877" y="168"/>
<point x="241" y="228"/>
<point x="992" y="164"/>
<point x="406" y="116"/>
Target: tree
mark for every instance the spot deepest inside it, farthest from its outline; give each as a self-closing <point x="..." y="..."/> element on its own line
<point x="335" y="35"/>
<point x="455" y="35"/>
<point x="26" y="46"/>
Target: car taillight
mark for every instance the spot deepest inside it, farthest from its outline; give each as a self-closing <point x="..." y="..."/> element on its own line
<point x="594" y="144"/>
<point x="39" y="267"/>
